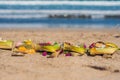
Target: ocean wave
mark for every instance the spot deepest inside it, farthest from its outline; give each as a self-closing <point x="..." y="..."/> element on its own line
<point x="100" y="3"/>
<point x="59" y="21"/>
<point x="60" y="7"/>
<point x="91" y="12"/>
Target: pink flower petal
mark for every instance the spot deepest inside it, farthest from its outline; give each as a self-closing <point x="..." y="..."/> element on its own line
<point x="18" y="44"/>
<point x="85" y="46"/>
<point x="44" y="44"/>
<point x="44" y="54"/>
<point x="92" y="45"/>
<point x="49" y="43"/>
<point x="68" y="54"/>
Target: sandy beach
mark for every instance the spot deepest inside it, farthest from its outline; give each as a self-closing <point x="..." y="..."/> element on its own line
<point x="38" y="67"/>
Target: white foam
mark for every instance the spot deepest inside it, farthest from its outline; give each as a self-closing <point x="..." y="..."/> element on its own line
<point x="100" y="3"/>
<point x="91" y="12"/>
<point x="23" y="16"/>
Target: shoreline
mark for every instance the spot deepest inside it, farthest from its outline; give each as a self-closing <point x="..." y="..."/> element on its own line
<point x="59" y="28"/>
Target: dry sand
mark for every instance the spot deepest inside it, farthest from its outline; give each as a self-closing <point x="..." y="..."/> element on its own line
<point x="37" y="67"/>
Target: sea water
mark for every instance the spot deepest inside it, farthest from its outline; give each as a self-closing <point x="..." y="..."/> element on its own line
<point x="35" y="13"/>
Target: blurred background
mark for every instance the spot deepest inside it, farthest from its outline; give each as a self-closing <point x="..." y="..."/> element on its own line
<point x="58" y="13"/>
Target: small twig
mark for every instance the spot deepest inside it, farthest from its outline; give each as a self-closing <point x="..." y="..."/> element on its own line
<point x="97" y="67"/>
<point x="118" y="36"/>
